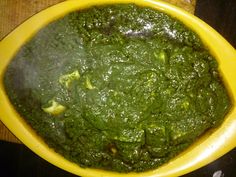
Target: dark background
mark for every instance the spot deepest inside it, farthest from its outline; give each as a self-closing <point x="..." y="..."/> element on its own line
<point x="18" y="161"/>
<point x="221" y="15"/>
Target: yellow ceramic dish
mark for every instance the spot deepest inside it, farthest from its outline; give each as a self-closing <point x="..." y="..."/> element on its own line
<point x="208" y="148"/>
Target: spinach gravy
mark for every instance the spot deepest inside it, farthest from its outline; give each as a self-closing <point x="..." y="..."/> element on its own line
<point x="117" y="87"/>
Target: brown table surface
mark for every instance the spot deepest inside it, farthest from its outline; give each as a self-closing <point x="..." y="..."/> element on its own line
<point x="14" y="12"/>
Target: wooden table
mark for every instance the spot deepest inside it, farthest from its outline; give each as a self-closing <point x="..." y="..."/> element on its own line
<point x="14" y="12"/>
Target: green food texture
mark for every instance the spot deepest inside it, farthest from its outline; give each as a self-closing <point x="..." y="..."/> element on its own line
<point x="117" y="87"/>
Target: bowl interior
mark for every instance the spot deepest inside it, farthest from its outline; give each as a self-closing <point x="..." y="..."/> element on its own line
<point x="206" y="149"/>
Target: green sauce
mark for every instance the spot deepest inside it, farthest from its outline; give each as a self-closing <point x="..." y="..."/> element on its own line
<point x="117" y="87"/>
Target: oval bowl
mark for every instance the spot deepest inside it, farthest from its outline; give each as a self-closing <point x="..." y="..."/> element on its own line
<point x="209" y="147"/>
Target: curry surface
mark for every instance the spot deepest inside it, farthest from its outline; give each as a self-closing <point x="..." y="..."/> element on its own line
<point x="117" y="87"/>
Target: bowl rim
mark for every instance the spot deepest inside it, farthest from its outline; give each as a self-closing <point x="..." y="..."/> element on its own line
<point x="208" y="148"/>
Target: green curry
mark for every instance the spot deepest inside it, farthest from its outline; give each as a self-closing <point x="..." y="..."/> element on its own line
<point x="117" y="87"/>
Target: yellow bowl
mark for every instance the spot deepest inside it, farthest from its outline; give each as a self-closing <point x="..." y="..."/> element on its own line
<point x="208" y="148"/>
